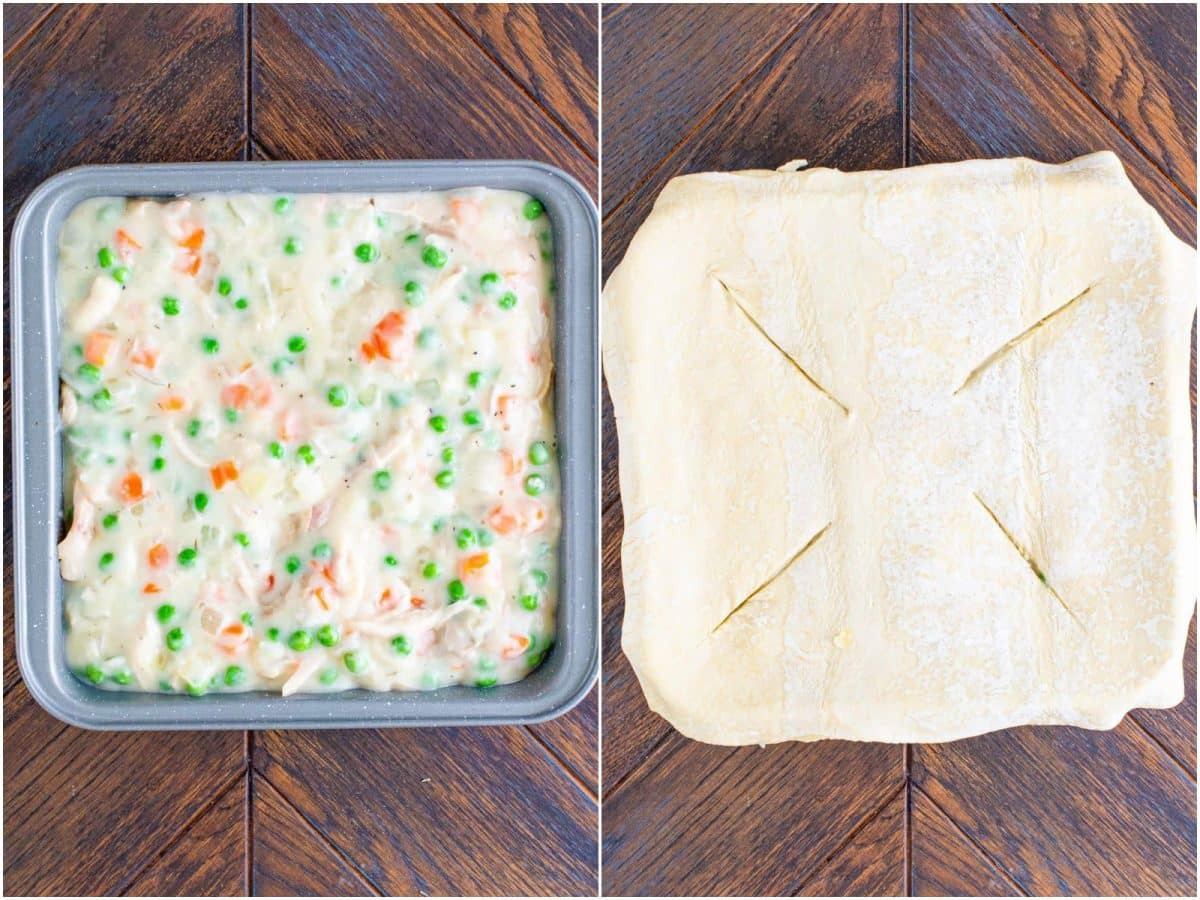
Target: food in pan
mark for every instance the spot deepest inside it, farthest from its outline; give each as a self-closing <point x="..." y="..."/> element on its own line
<point x="309" y="441"/>
<point x="904" y="456"/>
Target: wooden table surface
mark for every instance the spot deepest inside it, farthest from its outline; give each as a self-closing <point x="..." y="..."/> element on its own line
<point x="485" y="810"/>
<point x="1024" y="811"/>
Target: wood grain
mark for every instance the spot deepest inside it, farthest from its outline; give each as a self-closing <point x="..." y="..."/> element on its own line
<point x="1021" y="107"/>
<point x="291" y="858"/>
<point x="1137" y="62"/>
<point x="944" y="861"/>
<point x="1175" y="728"/>
<point x="440" y="811"/>
<point x="666" y="66"/>
<point x="208" y="860"/>
<point x="20" y="19"/>
<point x="786" y="807"/>
<point x="1070" y="811"/>
<point x="319" y="73"/>
<point x="870" y="863"/>
<point x="550" y="49"/>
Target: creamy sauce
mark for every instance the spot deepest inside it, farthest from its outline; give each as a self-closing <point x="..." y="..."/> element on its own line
<point x="309" y="441"/>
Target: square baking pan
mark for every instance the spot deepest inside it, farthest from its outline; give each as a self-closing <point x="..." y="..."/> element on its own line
<point x="568" y="670"/>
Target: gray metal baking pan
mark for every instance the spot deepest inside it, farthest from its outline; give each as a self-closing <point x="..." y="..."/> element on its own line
<point x="568" y="670"/>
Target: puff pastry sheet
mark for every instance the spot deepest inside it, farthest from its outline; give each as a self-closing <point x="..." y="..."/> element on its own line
<point x="904" y="456"/>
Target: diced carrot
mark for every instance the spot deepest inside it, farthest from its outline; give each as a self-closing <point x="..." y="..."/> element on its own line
<point x="189" y="263"/>
<point x="388" y="334"/>
<point x="131" y="488"/>
<point x="235" y="395"/>
<point x="526" y="518"/>
<point x="270" y="582"/>
<point x="417" y="602"/>
<point x="151" y="588"/>
<point x="172" y="403"/>
<point x="464" y="211"/>
<point x="514" y="646"/>
<point x="126" y="242"/>
<point x="223" y="473"/>
<point x="319" y="593"/>
<point x="503" y="520"/>
<point x="233" y="637"/>
<point x="193" y="240"/>
<point x="97" y="346"/>
<point x="473" y="564"/>
<point x="513" y="464"/>
<point x="158" y="556"/>
<point x="386" y="600"/>
<point x="368" y="350"/>
<point x="146" y="357"/>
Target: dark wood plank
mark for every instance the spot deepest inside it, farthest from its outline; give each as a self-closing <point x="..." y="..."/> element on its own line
<point x="20" y="19"/>
<point x="1137" y="62"/>
<point x="944" y="861"/>
<point x="1023" y="107"/>
<point x="92" y="808"/>
<point x="870" y="864"/>
<point x="575" y="739"/>
<point x="707" y="820"/>
<point x="551" y="49"/>
<point x="208" y="860"/>
<point x="291" y="859"/>
<point x="1175" y="728"/>
<point x="27" y="730"/>
<point x="666" y="66"/>
<point x="440" y="811"/>
<point x="387" y="81"/>
<point x="1070" y="811"/>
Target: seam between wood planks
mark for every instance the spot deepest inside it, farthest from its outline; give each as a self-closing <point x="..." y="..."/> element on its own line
<point x="561" y="126"/>
<point x="548" y="749"/>
<point x="325" y="839"/>
<point x="1187" y="195"/>
<point x="845" y="841"/>
<point x="217" y="797"/>
<point x="23" y="39"/>
<point x="979" y="849"/>
<point x="642" y="760"/>
<point x="784" y="42"/>
<point x="1162" y="747"/>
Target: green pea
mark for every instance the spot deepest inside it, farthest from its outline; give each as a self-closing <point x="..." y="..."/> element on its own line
<point x="447" y="454"/>
<point x="247" y="619"/>
<point x="472" y="417"/>
<point x="414" y="293"/>
<point x="431" y="570"/>
<point x="300" y="640"/>
<point x="156" y="440"/>
<point x="433" y="257"/>
<point x="322" y="550"/>
<point x="383" y="480"/>
<point x="401" y="645"/>
<point x="390" y="560"/>
<point x="210" y="345"/>
<point x="102" y="400"/>
<point x="534" y="659"/>
<point x="337" y="395"/>
<point x="489" y="281"/>
<point x="529" y="602"/>
<point x="195" y="690"/>
<point x="234" y="675"/>
<point x="327" y="676"/>
<point x="106" y="257"/>
<point x="187" y="556"/>
<point x="465" y="539"/>
<point x="123" y="677"/>
<point x="489" y="681"/>
<point x="539" y="453"/>
<point x="533" y="209"/>
<point x="200" y="501"/>
<point x="457" y="590"/>
<point x="534" y="484"/>
<point x="508" y="301"/>
<point x="107" y="559"/>
<point x="297" y="343"/>
<point x="110" y="521"/>
<point x="170" y="306"/>
<point x="438" y="423"/>
<point x="224" y="286"/>
<point x="540" y="578"/>
<point x="485" y="537"/>
<point x="328" y="635"/>
<point x="356" y="661"/>
<point x="292" y="246"/>
<point x="120" y="274"/>
<point x="444" y="478"/>
<point x="242" y="538"/>
<point x="231" y="415"/>
<point x="283" y="204"/>
<point x="94" y="675"/>
<point x="305" y="452"/>
<point x="275" y="449"/>
<point x="473" y="379"/>
<point x="481" y="602"/>
<point x="272" y="634"/>
<point x="89" y="372"/>
<point x="177" y="639"/>
<point x="292" y="564"/>
<point x="241" y="302"/>
<point x="412" y="238"/>
<point x="366" y="252"/>
<point x="158" y="464"/>
<point x="193" y="427"/>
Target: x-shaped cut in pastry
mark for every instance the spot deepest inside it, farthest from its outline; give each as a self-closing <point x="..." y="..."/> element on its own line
<point x="904" y="456"/>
